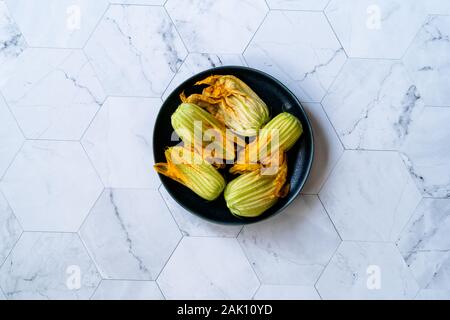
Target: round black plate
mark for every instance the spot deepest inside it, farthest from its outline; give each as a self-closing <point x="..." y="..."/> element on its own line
<point x="279" y="99"/>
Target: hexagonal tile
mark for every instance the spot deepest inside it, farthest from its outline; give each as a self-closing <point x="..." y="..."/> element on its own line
<point x="10" y="229"/>
<point x="208" y="268"/>
<point x="45" y="113"/>
<point x="370" y="196"/>
<point x="197" y="62"/>
<point x="191" y="225"/>
<point x="57" y="23"/>
<point x="426" y="153"/>
<point x="429" y="294"/>
<point x="367" y="271"/>
<point x="11" y="138"/>
<point x="130" y="234"/>
<point x="127" y="290"/>
<point x="51" y="186"/>
<point x="428" y="60"/>
<point x="315" y="5"/>
<point x="49" y="266"/>
<point x="11" y="38"/>
<point x="283" y="38"/>
<point x="425" y="246"/>
<point x="268" y="292"/>
<point x="135" y="50"/>
<point x="294" y="247"/>
<point x="119" y="142"/>
<point x="377" y="115"/>
<point x="370" y="29"/>
<point x="328" y="148"/>
<point x="220" y="26"/>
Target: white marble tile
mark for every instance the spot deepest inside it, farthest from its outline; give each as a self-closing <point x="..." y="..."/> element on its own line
<point x="143" y="2"/>
<point x="11" y="39"/>
<point x="328" y="148"/>
<point x="426" y="153"/>
<point x="127" y="290"/>
<point x="57" y="23"/>
<point x="135" y="50"/>
<point x="379" y="113"/>
<point x="429" y="294"/>
<point x="130" y="234"/>
<point x="367" y="271"/>
<point x="305" y="61"/>
<point x="51" y="186"/>
<point x="370" y="196"/>
<point x="425" y="246"/>
<point x="11" y="138"/>
<point x="270" y="292"/>
<point x="294" y="247"/>
<point x="191" y="225"/>
<point x="208" y="268"/>
<point x="119" y="142"/>
<point x="2" y="296"/>
<point x="375" y="28"/>
<point x="430" y="268"/>
<point x="53" y="93"/>
<point x="216" y="26"/>
<point x="316" y="5"/>
<point x="10" y="229"/>
<point x="428" y="228"/>
<point x="428" y="60"/>
<point x="49" y="266"/>
<point x="197" y="62"/>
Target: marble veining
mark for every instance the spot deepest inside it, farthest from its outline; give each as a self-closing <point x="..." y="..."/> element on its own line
<point x="426" y="153"/>
<point x="427" y="60"/>
<point x="126" y="59"/>
<point x="12" y="42"/>
<point x="274" y="50"/>
<point x="49" y="266"/>
<point x="10" y="229"/>
<point x="379" y="114"/>
<point x="139" y="234"/>
<point x="46" y="113"/>
<point x="425" y="246"/>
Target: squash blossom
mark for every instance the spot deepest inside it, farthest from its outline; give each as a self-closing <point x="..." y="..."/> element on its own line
<point x="232" y="102"/>
<point x="252" y="193"/>
<point x="268" y="148"/>
<point x="191" y="170"/>
<point x="200" y="131"/>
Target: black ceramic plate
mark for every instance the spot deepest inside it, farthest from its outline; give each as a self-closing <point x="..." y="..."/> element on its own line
<point x="279" y="99"/>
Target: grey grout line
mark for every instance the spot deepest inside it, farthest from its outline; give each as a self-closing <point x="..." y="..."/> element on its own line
<point x="325" y="267"/>
<point x="95" y="290"/>
<point x="160" y="290"/>
<point x="92" y="165"/>
<point x="12" y="161"/>
<point x="102" y="16"/>
<point x="334" y="32"/>
<point x="90" y="210"/>
<point x="2" y="263"/>
<point x="168" y="209"/>
<point x="174" y="76"/>
<point x="329" y="174"/>
<point x="177" y="32"/>
<point x="8" y="107"/>
<point x="329" y="217"/>
<point x="2" y="194"/>
<point x="254" y="34"/>
<point x="169" y="258"/>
